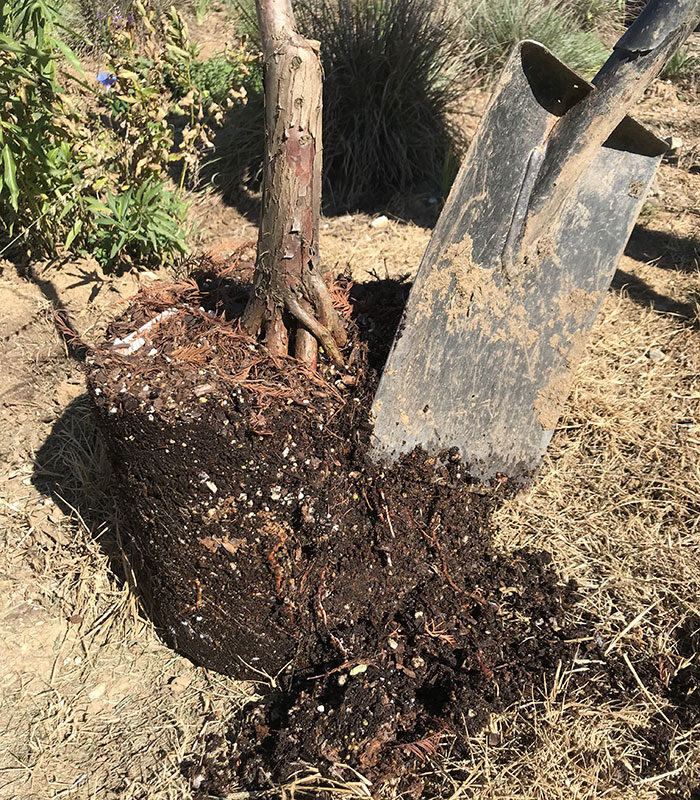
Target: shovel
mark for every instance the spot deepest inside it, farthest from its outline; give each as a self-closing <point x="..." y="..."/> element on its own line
<point x="523" y="253"/>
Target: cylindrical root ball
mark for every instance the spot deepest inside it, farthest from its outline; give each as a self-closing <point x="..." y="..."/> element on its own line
<point x="222" y="512"/>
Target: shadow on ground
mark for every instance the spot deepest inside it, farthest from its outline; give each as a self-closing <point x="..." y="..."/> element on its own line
<point x="72" y="468"/>
<point x="62" y="318"/>
<point x="235" y="169"/>
<point x="664" y="250"/>
<point x="644" y="295"/>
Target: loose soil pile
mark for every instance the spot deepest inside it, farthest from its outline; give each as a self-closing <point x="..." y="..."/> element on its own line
<point x="268" y="543"/>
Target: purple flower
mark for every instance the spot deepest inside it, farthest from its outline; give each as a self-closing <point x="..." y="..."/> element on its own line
<point x="117" y="19"/>
<point x="107" y="79"/>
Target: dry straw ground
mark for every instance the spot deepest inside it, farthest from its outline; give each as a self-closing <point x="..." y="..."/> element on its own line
<point x="92" y="705"/>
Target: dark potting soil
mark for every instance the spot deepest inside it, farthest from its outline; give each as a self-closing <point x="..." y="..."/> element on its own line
<point x="267" y="542"/>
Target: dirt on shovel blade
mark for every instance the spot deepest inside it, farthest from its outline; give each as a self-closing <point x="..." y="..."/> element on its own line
<point x="369" y="600"/>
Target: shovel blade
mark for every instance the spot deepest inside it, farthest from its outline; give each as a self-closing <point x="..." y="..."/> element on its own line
<point x="484" y="357"/>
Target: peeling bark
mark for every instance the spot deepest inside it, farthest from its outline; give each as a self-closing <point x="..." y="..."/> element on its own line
<point x="290" y="306"/>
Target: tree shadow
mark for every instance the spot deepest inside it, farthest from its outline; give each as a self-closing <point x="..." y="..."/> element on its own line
<point x="664" y="250"/>
<point x="236" y="164"/>
<point x="644" y="295"/>
<point x="73" y="469"/>
<point x="63" y="322"/>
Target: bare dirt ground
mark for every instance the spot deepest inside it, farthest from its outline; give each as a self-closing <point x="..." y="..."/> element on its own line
<point x="93" y="705"/>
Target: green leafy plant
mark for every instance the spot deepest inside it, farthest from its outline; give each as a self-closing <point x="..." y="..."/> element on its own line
<point x="36" y="130"/>
<point x="201" y="7"/>
<point x="216" y="77"/>
<point x="95" y="181"/>
<point x="161" y="89"/>
<point x="142" y="225"/>
<point x="138" y="99"/>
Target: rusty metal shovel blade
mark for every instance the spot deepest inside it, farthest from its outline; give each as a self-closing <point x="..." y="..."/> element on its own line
<point x="484" y="357"/>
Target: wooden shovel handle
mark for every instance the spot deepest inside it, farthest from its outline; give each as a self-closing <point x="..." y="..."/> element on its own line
<point x="636" y="60"/>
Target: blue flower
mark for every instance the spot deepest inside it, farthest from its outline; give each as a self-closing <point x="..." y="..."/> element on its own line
<point x="107" y="79"/>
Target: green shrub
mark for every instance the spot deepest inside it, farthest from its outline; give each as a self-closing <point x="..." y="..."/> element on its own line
<point x="217" y="78"/>
<point x="143" y="225"/>
<point x="497" y="25"/>
<point x="36" y="131"/>
<point x="95" y="182"/>
<point x="93" y="22"/>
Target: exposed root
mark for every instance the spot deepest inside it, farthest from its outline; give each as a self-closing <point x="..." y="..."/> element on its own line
<point x="259" y="320"/>
<point x="319" y="331"/>
<point x="438" y="630"/>
<point x="306" y="348"/>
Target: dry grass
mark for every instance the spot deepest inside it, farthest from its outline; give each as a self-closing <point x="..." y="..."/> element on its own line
<point x="573" y="750"/>
<point x="616" y="504"/>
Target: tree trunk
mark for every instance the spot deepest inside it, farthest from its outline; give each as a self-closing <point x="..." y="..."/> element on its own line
<point x="290" y="299"/>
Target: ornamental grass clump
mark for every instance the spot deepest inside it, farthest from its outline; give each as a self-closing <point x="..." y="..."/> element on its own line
<point x="393" y="72"/>
<point x="497" y="26"/>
